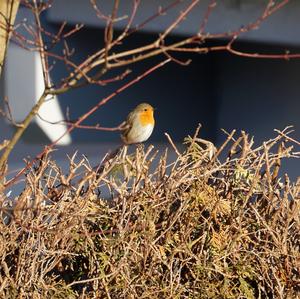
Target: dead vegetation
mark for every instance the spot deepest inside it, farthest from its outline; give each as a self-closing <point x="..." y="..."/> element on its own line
<point x="200" y="227"/>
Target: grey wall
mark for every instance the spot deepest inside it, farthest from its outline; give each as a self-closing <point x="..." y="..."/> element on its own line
<point x="282" y="27"/>
<point x="259" y="95"/>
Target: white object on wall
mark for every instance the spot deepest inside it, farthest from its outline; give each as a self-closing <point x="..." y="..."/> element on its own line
<point x="24" y="85"/>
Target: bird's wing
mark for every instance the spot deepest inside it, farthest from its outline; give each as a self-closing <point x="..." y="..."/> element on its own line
<point x="129" y="122"/>
<point x="127" y="126"/>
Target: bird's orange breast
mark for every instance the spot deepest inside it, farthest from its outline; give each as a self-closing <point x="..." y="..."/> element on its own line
<point x="147" y="118"/>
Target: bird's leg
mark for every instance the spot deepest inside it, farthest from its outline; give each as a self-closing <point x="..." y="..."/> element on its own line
<point x="140" y="146"/>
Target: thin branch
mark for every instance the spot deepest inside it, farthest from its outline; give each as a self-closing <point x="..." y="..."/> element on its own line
<point x="89" y="127"/>
<point x="211" y="6"/>
<point x="43" y="55"/>
<point x="20" y="130"/>
<point x="179" y="19"/>
<point x="109" y="31"/>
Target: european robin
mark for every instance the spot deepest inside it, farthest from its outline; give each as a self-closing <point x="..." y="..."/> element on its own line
<point x="139" y="124"/>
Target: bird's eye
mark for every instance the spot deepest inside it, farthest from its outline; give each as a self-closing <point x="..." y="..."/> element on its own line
<point x="145" y="109"/>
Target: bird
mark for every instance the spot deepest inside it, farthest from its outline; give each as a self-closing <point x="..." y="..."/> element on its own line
<point x="139" y="124"/>
<point x="137" y="128"/>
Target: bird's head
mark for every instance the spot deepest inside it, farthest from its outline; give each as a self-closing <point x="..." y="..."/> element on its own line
<point x="145" y="113"/>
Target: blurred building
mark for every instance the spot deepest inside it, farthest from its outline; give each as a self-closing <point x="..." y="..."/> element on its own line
<point x="218" y="89"/>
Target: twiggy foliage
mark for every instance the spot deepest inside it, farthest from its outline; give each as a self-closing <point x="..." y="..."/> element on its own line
<point x="195" y="228"/>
